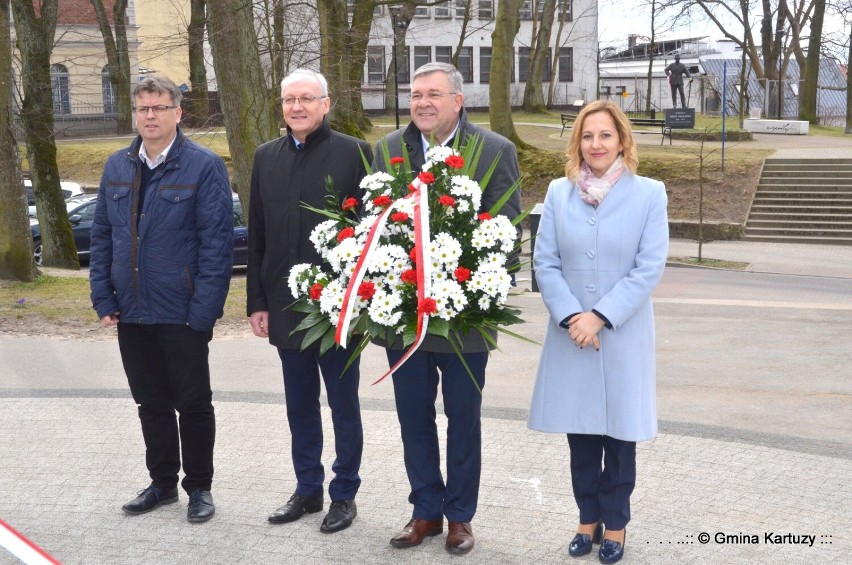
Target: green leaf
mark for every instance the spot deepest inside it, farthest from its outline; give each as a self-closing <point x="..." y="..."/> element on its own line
<point x="310" y="321"/>
<point x="456" y="345"/>
<point x="316" y="332"/>
<point x="439" y="326"/>
<point x="327" y="342"/>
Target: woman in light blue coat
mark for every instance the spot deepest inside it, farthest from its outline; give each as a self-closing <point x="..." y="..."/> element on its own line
<point x="600" y="251"/>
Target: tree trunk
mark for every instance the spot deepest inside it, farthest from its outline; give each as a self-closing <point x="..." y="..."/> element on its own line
<point x="35" y="37"/>
<point x="506" y="26"/>
<point x="848" y="128"/>
<point x="534" y="89"/>
<point x="249" y="118"/>
<point x="808" y="91"/>
<point x="199" y="106"/>
<point x="650" y="92"/>
<point x="406" y="13"/>
<point x="16" y="250"/>
<point x="463" y="34"/>
<point x="554" y="77"/>
<point x="118" y="60"/>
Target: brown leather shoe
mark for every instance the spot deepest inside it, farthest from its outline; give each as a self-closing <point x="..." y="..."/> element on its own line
<point x="459" y="538"/>
<point x="414" y="532"/>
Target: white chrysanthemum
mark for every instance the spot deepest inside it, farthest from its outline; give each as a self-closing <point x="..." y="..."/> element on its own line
<point x="497" y="232"/>
<point x="382" y="309"/>
<point x="445" y="249"/>
<point x="298" y="274"/>
<point x="449" y="298"/>
<point x="466" y="189"/>
<point x="492" y="281"/>
<point x="492" y="260"/>
<point x="386" y="258"/>
<point x="376" y="183"/>
<point x="322" y="235"/>
<point x="343" y="257"/>
<point x="439" y="153"/>
<point x="331" y="300"/>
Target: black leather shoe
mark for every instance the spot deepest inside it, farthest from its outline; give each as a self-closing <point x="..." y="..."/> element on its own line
<point x="150" y="498"/>
<point x="295" y="508"/>
<point x="582" y="543"/>
<point x="339" y="517"/>
<point x="611" y="551"/>
<point x="201" y="507"/>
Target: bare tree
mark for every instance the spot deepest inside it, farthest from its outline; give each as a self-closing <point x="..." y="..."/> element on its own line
<point x="118" y="59"/>
<point x="199" y="104"/>
<point x="506" y="27"/>
<point x="16" y="250"/>
<point x="808" y="92"/>
<point x="249" y="118"/>
<point x="539" y="50"/>
<point x="34" y="33"/>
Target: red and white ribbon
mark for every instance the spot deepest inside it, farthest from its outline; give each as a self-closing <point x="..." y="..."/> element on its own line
<point x="423" y="264"/>
<point x="22" y="548"/>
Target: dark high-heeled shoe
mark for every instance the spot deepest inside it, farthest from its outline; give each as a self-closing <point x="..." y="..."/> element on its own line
<point x="611" y="551"/>
<point x="582" y="543"/>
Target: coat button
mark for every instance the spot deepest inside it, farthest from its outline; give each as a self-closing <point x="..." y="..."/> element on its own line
<point x="590" y="253"/>
<point x="177" y="198"/>
<point x="591" y="288"/>
<point x="115" y="196"/>
<point x="593" y="221"/>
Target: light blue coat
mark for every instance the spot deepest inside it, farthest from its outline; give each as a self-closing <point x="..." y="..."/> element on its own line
<point x="610" y="259"/>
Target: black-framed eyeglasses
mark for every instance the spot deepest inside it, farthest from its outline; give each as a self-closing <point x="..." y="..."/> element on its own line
<point x="158" y="110"/>
<point x="419" y="97"/>
<point x="303" y="100"/>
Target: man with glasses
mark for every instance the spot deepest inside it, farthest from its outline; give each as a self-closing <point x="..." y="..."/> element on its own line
<point x="290" y="172"/>
<point x="161" y="257"/>
<point x="438" y="118"/>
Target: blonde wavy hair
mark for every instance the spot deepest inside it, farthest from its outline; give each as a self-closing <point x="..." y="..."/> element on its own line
<point x="622" y="126"/>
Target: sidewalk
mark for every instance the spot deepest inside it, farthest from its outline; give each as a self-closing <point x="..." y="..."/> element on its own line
<point x="755" y="411"/>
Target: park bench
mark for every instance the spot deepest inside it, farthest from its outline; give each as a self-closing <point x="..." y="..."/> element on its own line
<point x="567" y="121"/>
<point x="648" y="122"/>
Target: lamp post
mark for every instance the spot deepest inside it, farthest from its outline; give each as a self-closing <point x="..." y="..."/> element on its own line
<point x="779" y="37"/>
<point x="394" y="10"/>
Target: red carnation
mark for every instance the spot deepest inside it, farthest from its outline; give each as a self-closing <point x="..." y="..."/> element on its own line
<point x="344" y="233"/>
<point x="382" y="201"/>
<point x="426" y="177"/>
<point x="397" y="160"/>
<point x="348" y="204"/>
<point x="409" y="276"/>
<point x="454" y="162"/>
<point x="484" y="216"/>
<point x="427" y="306"/>
<point x="399" y="217"/>
<point x="316" y="291"/>
<point x="462" y="274"/>
<point x="413" y="254"/>
<point x="366" y="290"/>
<point x="447" y="200"/>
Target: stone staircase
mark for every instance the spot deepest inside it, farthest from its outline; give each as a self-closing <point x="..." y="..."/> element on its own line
<point x="802" y="201"/>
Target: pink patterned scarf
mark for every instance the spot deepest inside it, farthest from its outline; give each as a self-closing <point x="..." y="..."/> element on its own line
<point x="593" y="189"/>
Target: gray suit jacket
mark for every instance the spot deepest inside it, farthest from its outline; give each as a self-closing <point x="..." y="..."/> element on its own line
<point x="505" y="175"/>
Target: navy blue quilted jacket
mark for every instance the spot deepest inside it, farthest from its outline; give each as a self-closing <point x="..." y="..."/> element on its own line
<point x="175" y="267"/>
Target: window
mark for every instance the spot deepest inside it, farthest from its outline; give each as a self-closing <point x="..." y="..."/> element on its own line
<point x="566" y="10"/>
<point x="444" y="54"/>
<point x="461" y="8"/>
<point x="107" y="92"/>
<point x="484" y="65"/>
<point x="526" y="10"/>
<point x="421" y="12"/>
<point x="465" y="63"/>
<point x="60" y="88"/>
<point x="442" y="11"/>
<point x="566" y="64"/>
<point x="404" y="67"/>
<point x="422" y="55"/>
<point x="376" y="64"/>
<point x="486" y="9"/>
<point x="523" y="63"/>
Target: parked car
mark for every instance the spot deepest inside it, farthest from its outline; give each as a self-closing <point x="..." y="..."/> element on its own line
<point x="81" y="212"/>
<point x="68" y="188"/>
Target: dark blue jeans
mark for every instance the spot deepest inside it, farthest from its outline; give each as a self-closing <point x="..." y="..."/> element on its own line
<point x="415" y="387"/>
<point x="603" y="494"/>
<point x="302" y="392"/>
<point x="167" y="369"/>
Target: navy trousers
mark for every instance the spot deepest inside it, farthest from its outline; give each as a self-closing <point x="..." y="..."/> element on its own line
<point x="302" y="393"/>
<point x="603" y="494"/>
<point x="167" y="370"/>
<point x="415" y="387"/>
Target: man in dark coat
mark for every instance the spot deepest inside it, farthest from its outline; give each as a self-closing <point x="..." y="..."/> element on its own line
<point x="162" y="250"/>
<point x="438" y="117"/>
<point x="288" y="172"/>
<point x="676" y="71"/>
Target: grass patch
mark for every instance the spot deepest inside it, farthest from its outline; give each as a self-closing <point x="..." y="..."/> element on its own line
<point x="709" y="263"/>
